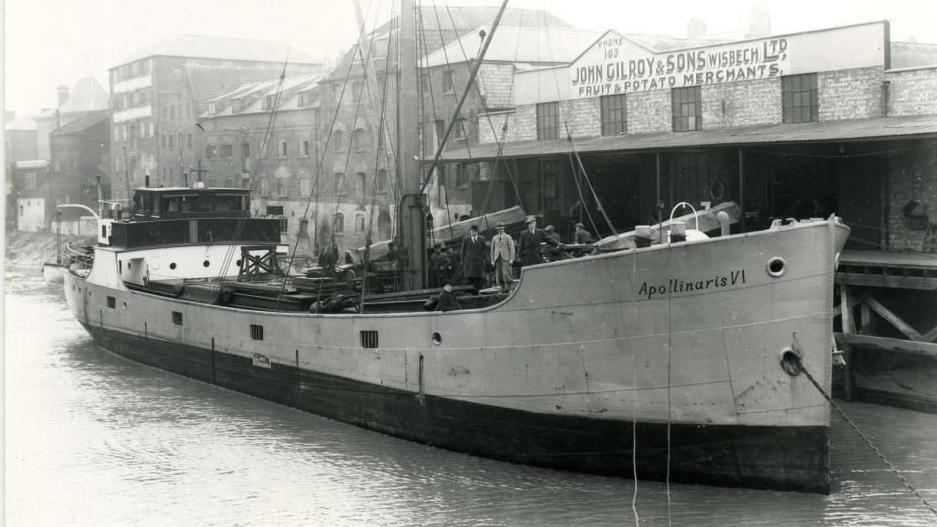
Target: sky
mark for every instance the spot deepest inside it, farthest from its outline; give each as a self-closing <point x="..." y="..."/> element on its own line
<point x="48" y="43"/>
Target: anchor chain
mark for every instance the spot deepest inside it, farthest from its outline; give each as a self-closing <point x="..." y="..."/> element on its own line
<point x="866" y="438"/>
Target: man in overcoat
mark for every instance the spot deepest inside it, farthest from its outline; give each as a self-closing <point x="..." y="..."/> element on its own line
<point x="473" y="258"/>
<point x="528" y="244"/>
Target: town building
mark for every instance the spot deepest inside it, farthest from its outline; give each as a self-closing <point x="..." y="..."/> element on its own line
<point x="785" y="126"/>
<point x="359" y="113"/>
<point x="264" y="136"/>
<point x="80" y="152"/>
<point x="87" y="95"/>
<point x="158" y="92"/>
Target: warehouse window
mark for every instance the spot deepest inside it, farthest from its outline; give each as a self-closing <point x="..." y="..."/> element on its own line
<point x="176" y="318"/>
<point x="799" y="98"/>
<point x="447" y="85"/>
<point x="547" y="120"/>
<point x="613" y="115"/>
<point x="257" y="332"/>
<point x="687" y="109"/>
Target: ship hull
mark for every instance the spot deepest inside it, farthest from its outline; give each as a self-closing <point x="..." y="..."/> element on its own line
<point x="589" y="364"/>
<point x="783" y="458"/>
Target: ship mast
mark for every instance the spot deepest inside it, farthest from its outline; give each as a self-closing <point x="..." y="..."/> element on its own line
<point x="412" y="228"/>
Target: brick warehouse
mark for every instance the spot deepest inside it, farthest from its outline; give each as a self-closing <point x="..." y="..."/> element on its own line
<point x="787" y="126"/>
<point x="158" y="92"/>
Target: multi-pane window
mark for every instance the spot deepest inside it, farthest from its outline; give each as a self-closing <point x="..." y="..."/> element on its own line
<point x="360" y="139"/>
<point x="304" y="184"/>
<point x="687" y="109"/>
<point x="282" y="150"/>
<point x="227" y="151"/>
<point x="362" y="185"/>
<point x="447" y="85"/>
<point x="547" y="120"/>
<point x="338" y="140"/>
<point x="338" y="225"/>
<point x="339" y="182"/>
<point x="211" y="151"/>
<point x="458" y="131"/>
<point x="245" y="156"/>
<point x="614" y="121"/>
<point x="304" y="148"/>
<point x="268" y="102"/>
<point x="305" y="98"/>
<point x="799" y="98"/>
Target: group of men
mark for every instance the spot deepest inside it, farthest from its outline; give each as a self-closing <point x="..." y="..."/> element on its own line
<point x="504" y="253"/>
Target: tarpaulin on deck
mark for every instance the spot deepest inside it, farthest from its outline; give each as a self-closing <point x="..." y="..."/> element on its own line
<point x="905" y="127"/>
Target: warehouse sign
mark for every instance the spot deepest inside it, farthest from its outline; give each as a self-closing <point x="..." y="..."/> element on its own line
<point x="615" y="64"/>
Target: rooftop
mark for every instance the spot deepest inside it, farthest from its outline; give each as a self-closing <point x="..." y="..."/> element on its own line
<point x="516" y="44"/>
<point x="222" y="48"/>
<point x="84" y="122"/>
<point x="857" y="129"/>
<point x="88" y="94"/>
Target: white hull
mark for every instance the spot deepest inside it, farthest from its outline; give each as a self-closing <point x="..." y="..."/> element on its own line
<point x="690" y="334"/>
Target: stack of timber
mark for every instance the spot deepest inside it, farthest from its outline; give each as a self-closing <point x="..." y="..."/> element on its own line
<point x="450" y="234"/>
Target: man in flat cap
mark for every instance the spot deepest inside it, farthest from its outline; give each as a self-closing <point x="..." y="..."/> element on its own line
<point x="582" y="235"/>
<point x="528" y="245"/>
<point x="502" y="254"/>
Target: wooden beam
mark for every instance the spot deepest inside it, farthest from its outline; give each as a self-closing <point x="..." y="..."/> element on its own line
<point x="891" y="281"/>
<point x="892" y="319"/>
<point x="930" y="336"/>
<point x="926" y="349"/>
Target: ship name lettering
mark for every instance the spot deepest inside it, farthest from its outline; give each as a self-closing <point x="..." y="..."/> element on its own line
<point x="649" y="291"/>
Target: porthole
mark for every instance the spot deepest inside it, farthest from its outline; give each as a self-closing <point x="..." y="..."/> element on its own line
<point x="237" y="263"/>
<point x="437" y="338"/>
<point x="776" y="266"/>
<point x="205" y="263"/>
<point x="172" y="266"/>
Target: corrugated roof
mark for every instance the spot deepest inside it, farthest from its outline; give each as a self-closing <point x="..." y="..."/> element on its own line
<point x="911" y="54"/>
<point x="223" y="48"/>
<point x="84" y="122"/>
<point x="254" y="93"/>
<point x="208" y="82"/>
<point x="517" y="44"/>
<point x="444" y="24"/>
<point x="878" y="128"/>
<point x="87" y="95"/>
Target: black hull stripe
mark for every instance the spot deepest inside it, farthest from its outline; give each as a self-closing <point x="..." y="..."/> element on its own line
<point x="782" y="458"/>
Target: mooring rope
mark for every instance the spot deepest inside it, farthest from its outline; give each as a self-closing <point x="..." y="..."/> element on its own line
<point x="866" y="438"/>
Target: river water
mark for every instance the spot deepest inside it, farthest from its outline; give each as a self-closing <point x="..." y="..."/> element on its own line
<point x="94" y="439"/>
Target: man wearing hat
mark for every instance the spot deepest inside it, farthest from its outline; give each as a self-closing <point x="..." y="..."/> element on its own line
<point x="528" y="245"/>
<point x="502" y="254"/>
<point x="473" y="258"/>
<point x="582" y="235"/>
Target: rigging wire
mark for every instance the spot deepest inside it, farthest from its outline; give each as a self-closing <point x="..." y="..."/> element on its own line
<point x="377" y="163"/>
<point x="575" y="152"/>
<point x="317" y="183"/>
<point x="494" y="134"/>
<point x="239" y="226"/>
<point x="458" y="109"/>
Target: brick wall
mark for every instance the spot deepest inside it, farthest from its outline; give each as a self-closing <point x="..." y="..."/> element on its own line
<point x="912" y="175"/>
<point x="582" y="116"/>
<point x="649" y="112"/>
<point x="491" y="133"/>
<point x="525" y="122"/>
<point x="742" y="104"/>
<point x="850" y="94"/>
<point x="912" y="92"/>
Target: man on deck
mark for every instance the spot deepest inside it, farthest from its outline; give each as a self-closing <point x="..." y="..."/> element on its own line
<point x="528" y="245"/>
<point x="473" y="258"/>
<point x="502" y="254"/>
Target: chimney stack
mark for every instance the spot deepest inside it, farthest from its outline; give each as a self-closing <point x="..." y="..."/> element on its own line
<point x="695" y="28"/>
<point x="63" y="95"/>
